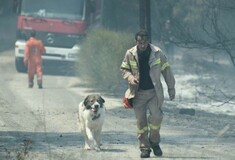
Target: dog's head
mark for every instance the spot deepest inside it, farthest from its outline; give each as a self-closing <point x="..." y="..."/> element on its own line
<point x="93" y="102"/>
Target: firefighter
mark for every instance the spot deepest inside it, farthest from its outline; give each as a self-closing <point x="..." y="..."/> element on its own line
<point x="142" y="67"/>
<point x="34" y="49"/>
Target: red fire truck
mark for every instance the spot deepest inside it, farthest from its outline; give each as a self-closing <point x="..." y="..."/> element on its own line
<point x="60" y="24"/>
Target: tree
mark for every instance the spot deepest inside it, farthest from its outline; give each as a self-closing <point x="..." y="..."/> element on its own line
<point x="206" y="24"/>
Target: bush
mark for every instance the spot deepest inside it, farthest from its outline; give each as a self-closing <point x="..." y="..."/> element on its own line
<point x="100" y="58"/>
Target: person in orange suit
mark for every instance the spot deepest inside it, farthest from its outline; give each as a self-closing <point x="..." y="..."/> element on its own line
<point x="34" y="49"/>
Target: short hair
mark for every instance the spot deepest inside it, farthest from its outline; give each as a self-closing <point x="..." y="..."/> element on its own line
<point x="141" y="35"/>
<point x="33" y="33"/>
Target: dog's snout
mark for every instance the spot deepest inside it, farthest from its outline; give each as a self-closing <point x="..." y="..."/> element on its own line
<point x="96" y="106"/>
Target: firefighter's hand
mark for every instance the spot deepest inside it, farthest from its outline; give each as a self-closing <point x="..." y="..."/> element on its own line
<point x="171" y="93"/>
<point x="134" y="81"/>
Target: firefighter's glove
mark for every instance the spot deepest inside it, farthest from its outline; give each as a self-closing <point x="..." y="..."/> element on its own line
<point x="171" y="93"/>
<point x="133" y="81"/>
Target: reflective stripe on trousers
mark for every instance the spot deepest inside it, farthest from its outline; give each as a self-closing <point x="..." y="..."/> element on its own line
<point x="148" y="125"/>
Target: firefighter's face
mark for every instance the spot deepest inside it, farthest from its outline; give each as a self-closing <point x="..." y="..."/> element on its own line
<point x="142" y="43"/>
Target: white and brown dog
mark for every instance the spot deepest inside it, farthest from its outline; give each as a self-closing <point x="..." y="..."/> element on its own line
<point x="91" y="119"/>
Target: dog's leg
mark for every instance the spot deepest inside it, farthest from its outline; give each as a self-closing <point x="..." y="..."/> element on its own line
<point x="83" y="131"/>
<point x="87" y="146"/>
<point x="97" y="139"/>
<point x="90" y="136"/>
<point x="87" y="143"/>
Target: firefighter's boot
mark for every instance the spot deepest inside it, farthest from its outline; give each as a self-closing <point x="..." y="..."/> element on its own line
<point x="39" y="83"/>
<point x="156" y="149"/>
<point x="30" y="84"/>
<point x="145" y="152"/>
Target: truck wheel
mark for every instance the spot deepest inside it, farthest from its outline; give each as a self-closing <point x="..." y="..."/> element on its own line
<point x="20" y="67"/>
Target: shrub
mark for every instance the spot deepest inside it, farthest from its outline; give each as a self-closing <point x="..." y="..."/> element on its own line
<point x="100" y="58"/>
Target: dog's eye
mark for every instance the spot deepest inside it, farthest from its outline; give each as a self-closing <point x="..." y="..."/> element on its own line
<point x="88" y="107"/>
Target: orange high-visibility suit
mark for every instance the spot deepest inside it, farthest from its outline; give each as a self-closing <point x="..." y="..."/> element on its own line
<point x="32" y="58"/>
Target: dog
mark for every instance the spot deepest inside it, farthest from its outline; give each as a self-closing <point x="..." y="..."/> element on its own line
<point x="91" y="119"/>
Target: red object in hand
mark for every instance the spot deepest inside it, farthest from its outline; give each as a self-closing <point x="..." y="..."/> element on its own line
<point x="127" y="103"/>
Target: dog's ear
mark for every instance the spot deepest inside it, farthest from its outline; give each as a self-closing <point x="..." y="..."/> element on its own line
<point x="86" y="101"/>
<point x="101" y="99"/>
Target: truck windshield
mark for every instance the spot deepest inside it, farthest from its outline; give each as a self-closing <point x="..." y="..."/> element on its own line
<point x="67" y="9"/>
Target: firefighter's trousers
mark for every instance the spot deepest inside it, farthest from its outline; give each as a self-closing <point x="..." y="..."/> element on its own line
<point x="32" y="67"/>
<point x="148" y="123"/>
